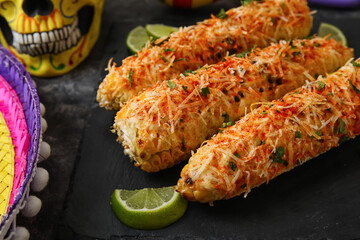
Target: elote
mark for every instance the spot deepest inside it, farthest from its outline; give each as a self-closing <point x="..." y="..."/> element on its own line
<point x="161" y="126"/>
<point x="276" y="137"/>
<point x="237" y="30"/>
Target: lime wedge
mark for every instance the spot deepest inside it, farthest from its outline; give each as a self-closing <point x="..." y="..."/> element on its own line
<point x="160" y="30"/>
<point x="136" y="39"/>
<point x="148" y="208"/>
<point x="326" y="29"/>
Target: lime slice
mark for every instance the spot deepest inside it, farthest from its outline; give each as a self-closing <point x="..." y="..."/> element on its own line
<point x="326" y="29"/>
<point x="160" y="30"/>
<point x="137" y="39"/>
<point x="148" y="208"/>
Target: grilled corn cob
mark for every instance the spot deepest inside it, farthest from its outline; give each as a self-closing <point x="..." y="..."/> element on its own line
<point x="205" y="43"/>
<point x="161" y="126"/>
<point x="275" y="138"/>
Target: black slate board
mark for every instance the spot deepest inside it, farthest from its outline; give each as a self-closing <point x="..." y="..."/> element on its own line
<point x="317" y="200"/>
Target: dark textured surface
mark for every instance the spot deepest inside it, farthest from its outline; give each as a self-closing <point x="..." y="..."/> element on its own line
<point x="317" y="200"/>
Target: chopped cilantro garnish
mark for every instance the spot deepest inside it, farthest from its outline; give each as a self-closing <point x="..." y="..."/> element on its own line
<point x="186" y="73"/>
<point x="169" y="50"/>
<point x="330" y="94"/>
<point x="230" y="123"/>
<point x="355" y="64"/>
<point x="319" y="133"/>
<point x="317" y="44"/>
<point x="246" y="2"/>
<point x="171" y="84"/>
<point x="297" y="92"/>
<point x="163" y="58"/>
<point x="130" y="77"/>
<point x="245" y="53"/>
<point x="343" y="139"/>
<point x="342" y="128"/>
<point x="263" y="112"/>
<point x="222" y="14"/>
<point x="181" y="59"/>
<point x="185" y="88"/>
<point x="298" y="134"/>
<point x="273" y="20"/>
<point x="226" y="117"/>
<point x="243" y="186"/>
<point x="302" y="43"/>
<point x="321" y="85"/>
<point x="232" y="165"/>
<point x="282" y="4"/>
<point x="353" y="86"/>
<point x="261" y="142"/>
<point x="296" y="54"/>
<point x="205" y="91"/>
<point x="277" y="156"/>
<point x="237" y="155"/>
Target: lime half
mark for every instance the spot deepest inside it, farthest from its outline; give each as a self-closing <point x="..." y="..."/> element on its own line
<point x="326" y="29"/>
<point x="160" y="30"/>
<point x="148" y="208"/>
<point x="137" y="39"/>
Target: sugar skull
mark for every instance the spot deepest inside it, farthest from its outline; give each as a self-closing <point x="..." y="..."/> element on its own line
<point x="50" y="37"/>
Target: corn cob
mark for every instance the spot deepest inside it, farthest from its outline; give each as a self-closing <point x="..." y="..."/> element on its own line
<point x="205" y="43"/>
<point x="275" y="138"/>
<point x="161" y="126"/>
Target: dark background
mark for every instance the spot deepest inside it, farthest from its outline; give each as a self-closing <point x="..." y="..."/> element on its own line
<point x="315" y="201"/>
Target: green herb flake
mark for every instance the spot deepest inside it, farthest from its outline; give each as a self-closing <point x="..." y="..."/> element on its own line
<point x="261" y="142"/>
<point x="298" y="134"/>
<point x="319" y="133"/>
<point x="243" y="186"/>
<point x="353" y="86"/>
<point x="205" y="91"/>
<point x="181" y="59"/>
<point x="169" y="50"/>
<point x="245" y="53"/>
<point x="185" y="88"/>
<point x="343" y="139"/>
<point x="296" y="54"/>
<point x="297" y="92"/>
<point x="232" y="165"/>
<point x="302" y="43"/>
<point x="226" y="117"/>
<point x="317" y="45"/>
<point x="171" y="84"/>
<point x="282" y="5"/>
<point x="230" y="123"/>
<point x="186" y="73"/>
<point x="130" y="77"/>
<point x="237" y="155"/>
<point x="330" y="94"/>
<point x="222" y="14"/>
<point x="342" y="128"/>
<point x="277" y="156"/>
<point x="163" y="58"/>
<point x="355" y="64"/>
<point x="321" y="85"/>
<point x="273" y="20"/>
<point x="263" y="112"/>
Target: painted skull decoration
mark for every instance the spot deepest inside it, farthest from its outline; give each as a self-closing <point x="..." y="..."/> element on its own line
<point x="50" y="37"/>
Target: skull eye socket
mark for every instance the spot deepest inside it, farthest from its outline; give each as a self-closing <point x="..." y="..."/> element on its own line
<point x="37" y="7"/>
<point x="6" y="30"/>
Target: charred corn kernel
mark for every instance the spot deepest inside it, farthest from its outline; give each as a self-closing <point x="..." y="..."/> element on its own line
<point x="257" y="23"/>
<point x="303" y="124"/>
<point x="179" y="118"/>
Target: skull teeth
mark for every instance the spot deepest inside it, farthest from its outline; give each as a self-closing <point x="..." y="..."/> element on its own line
<point x="55" y="41"/>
